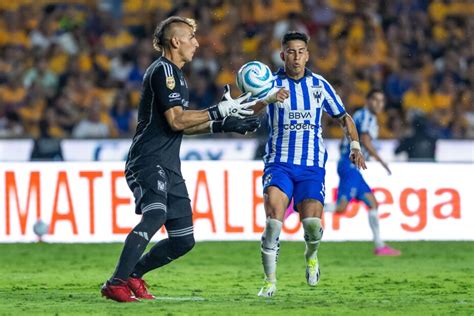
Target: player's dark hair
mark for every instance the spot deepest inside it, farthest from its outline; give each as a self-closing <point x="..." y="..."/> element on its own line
<point x="294" y="35"/>
<point x="372" y="92"/>
<point x="160" y="39"/>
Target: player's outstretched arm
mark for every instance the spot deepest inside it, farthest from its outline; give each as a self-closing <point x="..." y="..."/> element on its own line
<point x="180" y="120"/>
<point x="279" y="96"/>
<point x="351" y="133"/>
<point x="366" y="140"/>
<point x="228" y="125"/>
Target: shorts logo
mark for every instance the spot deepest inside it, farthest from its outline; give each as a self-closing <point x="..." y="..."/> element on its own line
<point x="174" y="95"/>
<point x="170" y="83"/>
<point x="267" y="179"/>
<point x="323" y="191"/>
<point x="161" y="185"/>
<point x="161" y="172"/>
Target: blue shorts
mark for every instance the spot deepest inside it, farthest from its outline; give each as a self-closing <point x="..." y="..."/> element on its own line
<point x="297" y="182"/>
<point x="351" y="184"/>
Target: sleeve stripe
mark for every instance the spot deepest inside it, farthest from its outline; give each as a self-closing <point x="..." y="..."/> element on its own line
<point x="336" y="100"/>
<point x="168" y="70"/>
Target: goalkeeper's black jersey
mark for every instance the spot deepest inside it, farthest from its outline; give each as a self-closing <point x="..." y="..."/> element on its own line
<point x="155" y="142"/>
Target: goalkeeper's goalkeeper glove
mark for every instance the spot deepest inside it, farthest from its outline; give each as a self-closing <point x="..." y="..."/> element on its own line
<point x="236" y="125"/>
<point x="230" y="107"/>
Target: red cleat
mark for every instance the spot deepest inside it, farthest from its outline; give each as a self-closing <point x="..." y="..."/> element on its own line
<point x="138" y="287"/>
<point x="120" y="293"/>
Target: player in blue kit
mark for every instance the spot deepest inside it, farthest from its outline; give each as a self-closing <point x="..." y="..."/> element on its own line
<point x="352" y="185"/>
<point x="295" y="156"/>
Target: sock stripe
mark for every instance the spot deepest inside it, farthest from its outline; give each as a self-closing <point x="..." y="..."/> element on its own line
<point x="183" y="234"/>
<point x="180" y="230"/>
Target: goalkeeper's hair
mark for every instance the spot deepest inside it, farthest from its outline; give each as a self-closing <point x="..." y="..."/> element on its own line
<point x="372" y="92"/>
<point x="161" y="35"/>
<point x="294" y="35"/>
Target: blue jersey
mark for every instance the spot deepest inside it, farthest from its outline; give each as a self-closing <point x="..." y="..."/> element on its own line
<point x="295" y="124"/>
<point x="365" y="122"/>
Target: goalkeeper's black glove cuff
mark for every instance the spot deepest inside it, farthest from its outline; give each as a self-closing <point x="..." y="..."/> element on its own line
<point x="216" y="127"/>
<point x="214" y="113"/>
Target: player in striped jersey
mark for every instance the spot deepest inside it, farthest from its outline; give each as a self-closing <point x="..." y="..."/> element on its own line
<point x="295" y="155"/>
<point x="352" y="185"/>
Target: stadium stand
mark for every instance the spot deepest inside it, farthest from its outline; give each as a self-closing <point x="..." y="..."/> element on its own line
<point x="74" y="68"/>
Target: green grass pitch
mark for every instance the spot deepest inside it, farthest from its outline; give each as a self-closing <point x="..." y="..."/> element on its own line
<point x="223" y="278"/>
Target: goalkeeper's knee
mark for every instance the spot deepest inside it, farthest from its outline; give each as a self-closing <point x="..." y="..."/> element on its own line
<point x="179" y="246"/>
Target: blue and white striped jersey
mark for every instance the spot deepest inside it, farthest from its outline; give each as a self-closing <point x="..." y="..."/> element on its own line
<point x="295" y="124"/>
<point x="365" y="122"/>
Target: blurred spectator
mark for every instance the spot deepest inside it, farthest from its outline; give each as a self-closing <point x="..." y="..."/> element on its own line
<point x="40" y="73"/>
<point x="10" y="125"/>
<point x="47" y="145"/>
<point x="67" y="114"/>
<point x="91" y="126"/>
<point x="202" y="94"/>
<point x="420" y="145"/>
<point x="122" y="116"/>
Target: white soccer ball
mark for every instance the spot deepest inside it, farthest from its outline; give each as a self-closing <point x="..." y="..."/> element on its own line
<point x="255" y="77"/>
<point x="40" y="228"/>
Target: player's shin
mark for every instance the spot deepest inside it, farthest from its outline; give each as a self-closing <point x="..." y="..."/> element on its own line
<point x="270" y="247"/>
<point x="136" y="242"/>
<point x="374" y="226"/>
<point x="313" y="232"/>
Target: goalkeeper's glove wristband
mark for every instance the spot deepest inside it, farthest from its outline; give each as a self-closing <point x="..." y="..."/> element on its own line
<point x="216" y="127"/>
<point x="214" y="113"/>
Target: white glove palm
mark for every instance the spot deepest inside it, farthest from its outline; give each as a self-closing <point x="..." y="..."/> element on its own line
<point x="231" y="107"/>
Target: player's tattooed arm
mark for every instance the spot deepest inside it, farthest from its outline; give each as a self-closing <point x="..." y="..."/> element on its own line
<point x="366" y="141"/>
<point x="278" y="96"/>
<point x="350" y="131"/>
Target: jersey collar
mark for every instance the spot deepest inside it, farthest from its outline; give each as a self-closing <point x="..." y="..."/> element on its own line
<point x="282" y="74"/>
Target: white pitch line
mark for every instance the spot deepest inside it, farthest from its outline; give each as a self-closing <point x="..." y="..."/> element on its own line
<point x="169" y="298"/>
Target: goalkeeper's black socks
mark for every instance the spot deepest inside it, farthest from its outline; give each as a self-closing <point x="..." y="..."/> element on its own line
<point x="155" y="258"/>
<point x="163" y="253"/>
<point x="136" y="242"/>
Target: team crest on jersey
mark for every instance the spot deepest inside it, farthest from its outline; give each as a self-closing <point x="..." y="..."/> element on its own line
<point x="317" y="92"/>
<point x="170" y="83"/>
<point x="317" y="95"/>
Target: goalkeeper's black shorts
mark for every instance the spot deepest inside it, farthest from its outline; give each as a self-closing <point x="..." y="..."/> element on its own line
<point x="164" y="189"/>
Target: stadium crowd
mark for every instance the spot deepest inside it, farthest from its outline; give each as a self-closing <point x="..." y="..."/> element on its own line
<point x="74" y="68"/>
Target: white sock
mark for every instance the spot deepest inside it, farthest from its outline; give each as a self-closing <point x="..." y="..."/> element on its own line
<point x="374" y="226"/>
<point x="313" y="232"/>
<point x="270" y="247"/>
